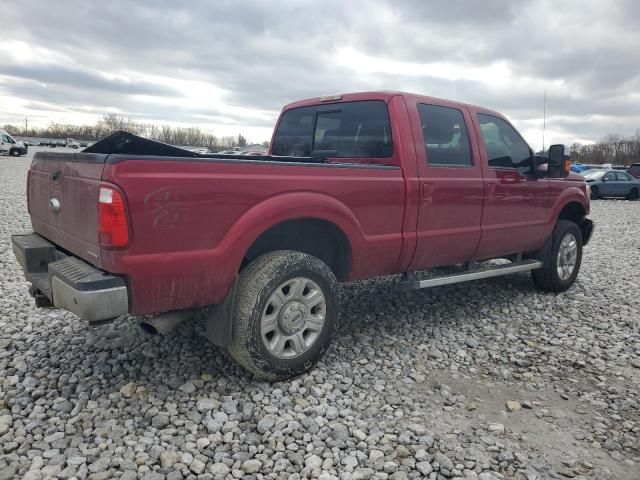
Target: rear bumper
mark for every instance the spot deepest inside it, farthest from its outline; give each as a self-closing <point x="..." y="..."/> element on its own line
<point x="68" y="282"/>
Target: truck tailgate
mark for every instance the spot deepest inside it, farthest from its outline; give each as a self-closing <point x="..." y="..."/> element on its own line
<point x="62" y="194"/>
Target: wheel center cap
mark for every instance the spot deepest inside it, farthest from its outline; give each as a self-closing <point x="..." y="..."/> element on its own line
<point x="292" y="316"/>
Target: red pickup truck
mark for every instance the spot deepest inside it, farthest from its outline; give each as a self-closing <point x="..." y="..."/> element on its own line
<point x="354" y="186"/>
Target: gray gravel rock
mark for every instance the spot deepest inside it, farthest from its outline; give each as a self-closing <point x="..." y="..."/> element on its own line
<point x="266" y="423"/>
<point x="219" y="469"/>
<point x="251" y="466"/>
<point x="415" y="385"/>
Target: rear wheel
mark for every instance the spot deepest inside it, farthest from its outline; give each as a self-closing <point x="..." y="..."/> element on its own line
<point x="595" y="193"/>
<point x="633" y="194"/>
<point x="562" y="260"/>
<point x="286" y="313"/>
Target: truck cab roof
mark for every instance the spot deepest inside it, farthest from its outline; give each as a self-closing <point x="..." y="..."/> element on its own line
<point x="386" y="96"/>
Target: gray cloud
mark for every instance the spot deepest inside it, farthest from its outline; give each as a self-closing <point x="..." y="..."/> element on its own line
<point x="83" y="79"/>
<point x="266" y="54"/>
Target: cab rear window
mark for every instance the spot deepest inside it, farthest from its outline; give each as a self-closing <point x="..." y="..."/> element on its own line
<point x="341" y="130"/>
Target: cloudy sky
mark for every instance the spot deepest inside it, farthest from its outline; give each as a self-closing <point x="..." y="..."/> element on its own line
<point x="229" y="66"/>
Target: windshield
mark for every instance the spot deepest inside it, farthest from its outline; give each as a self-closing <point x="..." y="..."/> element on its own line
<point x="6" y="138"/>
<point x="593" y="174"/>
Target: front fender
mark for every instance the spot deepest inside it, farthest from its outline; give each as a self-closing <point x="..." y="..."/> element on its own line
<point x="573" y="194"/>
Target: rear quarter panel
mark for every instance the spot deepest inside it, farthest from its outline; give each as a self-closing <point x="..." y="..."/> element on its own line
<point x="193" y="221"/>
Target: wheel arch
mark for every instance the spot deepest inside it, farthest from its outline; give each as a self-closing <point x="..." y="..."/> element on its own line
<point x="256" y="230"/>
<point x="311" y="235"/>
<point x="571" y="203"/>
<point x="576" y="211"/>
<point x="573" y="211"/>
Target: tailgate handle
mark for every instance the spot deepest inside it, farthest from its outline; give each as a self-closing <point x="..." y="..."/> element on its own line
<point x="55" y="176"/>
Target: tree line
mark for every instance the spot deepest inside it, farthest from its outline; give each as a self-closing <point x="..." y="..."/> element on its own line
<point x="613" y="148"/>
<point x="111" y="123"/>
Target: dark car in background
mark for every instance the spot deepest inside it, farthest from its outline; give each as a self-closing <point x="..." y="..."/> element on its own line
<point x="612" y="183"/>
<point x="634" y="170"/>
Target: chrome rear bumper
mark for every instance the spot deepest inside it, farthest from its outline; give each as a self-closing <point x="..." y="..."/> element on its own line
<point x="68" y="282"/>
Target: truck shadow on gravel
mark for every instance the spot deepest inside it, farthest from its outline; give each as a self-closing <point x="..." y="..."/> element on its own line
<point x="383" y="299"/>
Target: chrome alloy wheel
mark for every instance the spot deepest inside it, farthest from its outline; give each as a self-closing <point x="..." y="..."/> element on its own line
<point x="567" y="256"/>
<point x="293" y="318"/>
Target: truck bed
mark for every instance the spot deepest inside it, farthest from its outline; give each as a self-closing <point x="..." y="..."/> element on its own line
<point x="194" y="217"/>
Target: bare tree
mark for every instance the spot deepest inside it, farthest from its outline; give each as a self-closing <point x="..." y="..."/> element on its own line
<point x="613" y="148"/>
<point x="112" y="122"/>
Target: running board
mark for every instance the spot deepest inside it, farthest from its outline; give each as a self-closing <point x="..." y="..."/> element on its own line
<point x="413" y="283"/>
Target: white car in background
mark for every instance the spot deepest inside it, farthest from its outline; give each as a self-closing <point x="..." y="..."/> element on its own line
<point x="71" y="143"/>
<point x="11" y="146"/>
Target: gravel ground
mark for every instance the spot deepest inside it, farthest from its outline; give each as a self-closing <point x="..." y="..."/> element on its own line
<point x="483" y="381"/>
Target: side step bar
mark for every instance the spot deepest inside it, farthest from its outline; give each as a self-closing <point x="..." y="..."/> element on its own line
<point x="412" y="283"/>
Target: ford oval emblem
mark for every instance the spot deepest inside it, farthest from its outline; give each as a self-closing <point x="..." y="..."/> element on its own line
<point x="54" y="203"/>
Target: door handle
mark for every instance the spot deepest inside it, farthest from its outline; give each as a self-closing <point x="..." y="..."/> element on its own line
<point x="511" y="180"/>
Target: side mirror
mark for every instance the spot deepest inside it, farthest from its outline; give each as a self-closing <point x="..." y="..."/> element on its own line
<point x="559" y="164"/>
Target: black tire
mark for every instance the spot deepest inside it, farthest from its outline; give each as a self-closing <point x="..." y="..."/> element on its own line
<point x="633" y="194"/>
<point x="14" y="153"/>
<point x="548" y="278"/>
<point x="595" y="193"/>
<point x="257" y="283"/>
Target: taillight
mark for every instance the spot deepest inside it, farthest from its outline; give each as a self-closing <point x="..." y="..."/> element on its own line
<point x="113" y="229"/>
<point x="28" y="191"/>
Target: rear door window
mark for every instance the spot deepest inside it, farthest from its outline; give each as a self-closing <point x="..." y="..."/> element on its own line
<point x="446" y="141"/>
<point x="295" y="132"/>
<point x="505" y="147"/>
<point x="341" y="130"/>
<point x="623" y="177"/>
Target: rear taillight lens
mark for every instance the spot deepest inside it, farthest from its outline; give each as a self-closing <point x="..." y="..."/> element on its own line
<point x="113" y="228"/>
<point x="29" y="191"/>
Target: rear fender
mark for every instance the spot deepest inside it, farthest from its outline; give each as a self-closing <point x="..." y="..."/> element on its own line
<point x="289" y="206"/>
<point x="259" y="219"/>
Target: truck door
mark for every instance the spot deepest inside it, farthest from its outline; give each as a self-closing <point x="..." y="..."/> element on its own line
<point x="516" y="202"/>
<point x="451" y="185"/>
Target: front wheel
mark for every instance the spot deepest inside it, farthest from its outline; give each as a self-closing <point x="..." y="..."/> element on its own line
<point x="14" y="153"/>
<point x="562" y="259"/>
<point x="286" y="313"/>
<point x="595" y="193"/>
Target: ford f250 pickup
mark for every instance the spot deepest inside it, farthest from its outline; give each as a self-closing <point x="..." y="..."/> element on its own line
<point x="354" y="186"/>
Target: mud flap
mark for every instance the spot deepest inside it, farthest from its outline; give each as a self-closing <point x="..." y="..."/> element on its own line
<point x="586" y="228"/>
<point x="219" y="319"/>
